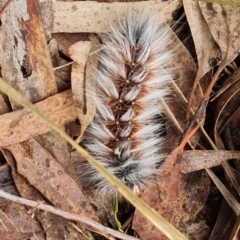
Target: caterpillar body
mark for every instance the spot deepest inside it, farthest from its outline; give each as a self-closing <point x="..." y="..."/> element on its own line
<point x="130" y="83"/>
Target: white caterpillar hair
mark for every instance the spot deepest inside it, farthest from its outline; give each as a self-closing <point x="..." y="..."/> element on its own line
<point x="125" y="135"/>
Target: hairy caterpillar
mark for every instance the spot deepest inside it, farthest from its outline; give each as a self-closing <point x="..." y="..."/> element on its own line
<point x="130" y="83"/>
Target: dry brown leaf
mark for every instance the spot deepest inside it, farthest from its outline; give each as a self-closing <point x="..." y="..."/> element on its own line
<point x="15" y="218"/>
<point x="227" y="107"/>
<point x="226" y="104"/>
<point x="198" y="229"/>
<point x="19" y="181"/>
<point x="83" y="87"/>
<point x="193" y="195"/>
<point x="53" y="225"/>
<point x="234" y="77"/>
<point x="200" y="159"/>
<point x="224" y="223"/>
<point x="20" y="125"/>
<point x="62" y="74"/>
<point x="18" y="236"/>
<point x="152" y="196"/>
<point x="65" y="40"/>
<point x="231" y="133"/>
<point x="83" y="101"/>
<point x="205" y="45"/>
<point x="224" y="23"/>
<point x="6" y="182"/>
<point x="233" y="203"/>
<point x="37" y="50"/>
<point x="4" y="108"/>
<point x="26" y="63"/>
<point x="79" y="52"/>
<point x="59" y="149"/>
<point x="184" y="77"/>
<point x="46" y="13"/>
<point x="235" y="234"/>
<point x="45" y="174"/>
<point x="168" y="201"/>
<point x="180" y="211"/>
<point x="93" y="16"/>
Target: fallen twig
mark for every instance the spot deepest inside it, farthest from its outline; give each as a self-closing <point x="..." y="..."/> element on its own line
<point x="67" y="215"/>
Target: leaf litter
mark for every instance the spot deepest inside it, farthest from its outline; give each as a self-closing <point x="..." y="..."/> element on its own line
<point x="206" y="103"/>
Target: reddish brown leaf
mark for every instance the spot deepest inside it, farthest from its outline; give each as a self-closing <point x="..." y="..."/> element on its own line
<point x="43" y="172"/>
<point x="20" y="125"/>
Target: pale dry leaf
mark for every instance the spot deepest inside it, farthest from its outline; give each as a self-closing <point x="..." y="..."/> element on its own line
<point x="205" y="45"/>
<point x="79" y="52"/>
<point x="224" y="23"/>
<point x="83" y="100"/>
<point x="201" y="159"/>
<point x="89" y="16"/>
<point x="83" y="87"/>
<point x="20" y="125"/>
<point x="65" y="40"/>
<point x="46" y="13"/>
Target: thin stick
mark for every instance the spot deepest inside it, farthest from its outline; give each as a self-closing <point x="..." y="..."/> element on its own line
<point x="67" y="215"/>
